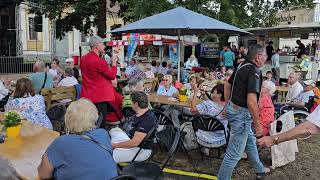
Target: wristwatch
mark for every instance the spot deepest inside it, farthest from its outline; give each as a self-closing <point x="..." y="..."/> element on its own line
<point x="276" y="139"/>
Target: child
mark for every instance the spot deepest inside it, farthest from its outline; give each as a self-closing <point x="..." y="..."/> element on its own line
<point x="266" y="107"/>
<point x="269" y="75"/>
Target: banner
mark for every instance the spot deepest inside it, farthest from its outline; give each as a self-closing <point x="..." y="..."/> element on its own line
<point x="133" y="40"/>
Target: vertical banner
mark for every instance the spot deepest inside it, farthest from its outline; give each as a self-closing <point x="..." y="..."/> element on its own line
<point x="133" y="40"/>
<point x="173" y="54"/>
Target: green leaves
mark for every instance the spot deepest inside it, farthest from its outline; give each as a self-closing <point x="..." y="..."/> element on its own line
<point x="11" y="119"/>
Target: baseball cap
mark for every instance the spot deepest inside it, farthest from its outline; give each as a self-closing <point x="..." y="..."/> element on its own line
<point x="94" y="40"/>
<point x="310" y="83"/>
<point x="69" y="60"/>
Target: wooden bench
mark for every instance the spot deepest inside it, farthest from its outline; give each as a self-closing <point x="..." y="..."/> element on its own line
<point x="52" y="95"/>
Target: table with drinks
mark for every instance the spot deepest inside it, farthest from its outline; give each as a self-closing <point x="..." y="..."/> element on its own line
<point x="154" y="98"/>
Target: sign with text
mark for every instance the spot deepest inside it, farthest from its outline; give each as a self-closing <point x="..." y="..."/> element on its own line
<point x="294" y="17"/>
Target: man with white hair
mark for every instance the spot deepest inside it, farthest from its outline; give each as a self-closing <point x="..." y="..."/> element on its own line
<point x="7" y="171"/>
<point x="295" y="88"/>
<point x="69" y="79"/>
<point x="97" y="76"/>
<point x="70" y="64"/>
<point x="40" y="79"/>
<point x="192" y="62"/>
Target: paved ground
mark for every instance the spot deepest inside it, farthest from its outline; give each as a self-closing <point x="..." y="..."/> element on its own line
<point x="306" y="166"/>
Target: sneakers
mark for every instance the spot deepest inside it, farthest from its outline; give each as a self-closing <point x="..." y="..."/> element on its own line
<point x="260" y="176"/>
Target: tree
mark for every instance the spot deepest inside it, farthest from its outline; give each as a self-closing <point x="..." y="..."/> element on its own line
<point x="133" y="10"/>
<point x="295" y="3"/>
<point x="79" y="14"/>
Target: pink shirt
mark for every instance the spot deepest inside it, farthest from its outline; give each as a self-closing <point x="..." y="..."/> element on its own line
<point x="266" y="113"/>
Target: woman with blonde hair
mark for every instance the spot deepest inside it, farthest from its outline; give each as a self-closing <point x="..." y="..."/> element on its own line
<point x="84" y="153"/>
<point x="28" y="104"/>
<point x="167" y="88"/>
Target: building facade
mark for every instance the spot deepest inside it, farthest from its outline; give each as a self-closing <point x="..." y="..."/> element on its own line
<point x="32" y="45"/>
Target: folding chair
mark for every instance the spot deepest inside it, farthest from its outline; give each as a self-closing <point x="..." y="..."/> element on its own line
<point x="166" y="121"/>
<point x="128" y="112"/>
<point x="169" y="138"/>
<point x="210" y="124"/>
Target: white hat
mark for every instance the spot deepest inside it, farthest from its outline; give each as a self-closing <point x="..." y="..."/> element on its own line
<point x="310" y="83"/>
<point x="69" y="60"/>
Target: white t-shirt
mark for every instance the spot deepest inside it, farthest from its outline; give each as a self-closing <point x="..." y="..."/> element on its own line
<point x="314" y="117"/>
<point x="53" y="72"/>
<point x="68" y="81"/>
<point x="294" y="91"/>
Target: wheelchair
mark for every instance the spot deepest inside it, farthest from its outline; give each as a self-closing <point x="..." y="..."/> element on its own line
<point x="300" y="113"/>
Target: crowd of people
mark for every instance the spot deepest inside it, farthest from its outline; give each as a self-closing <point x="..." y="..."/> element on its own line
<point x="235" y="93"/>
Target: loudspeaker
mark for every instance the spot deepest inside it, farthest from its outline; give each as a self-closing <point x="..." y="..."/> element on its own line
<point x="38" y="23"/>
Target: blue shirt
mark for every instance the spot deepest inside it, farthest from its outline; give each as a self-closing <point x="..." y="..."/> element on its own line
<point x="228" y="57"/>
<point x="162" y="91"/>
<point x="74" y="157"/>
<point x="37" y="80"/>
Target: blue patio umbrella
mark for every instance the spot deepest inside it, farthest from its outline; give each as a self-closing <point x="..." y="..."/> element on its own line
<point x="179" y="21"/>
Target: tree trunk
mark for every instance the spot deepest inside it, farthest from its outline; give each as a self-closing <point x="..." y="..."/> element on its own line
<point x="102" y="18"/>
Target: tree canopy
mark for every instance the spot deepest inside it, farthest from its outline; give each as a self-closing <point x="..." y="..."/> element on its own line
<point x="83" y="14"/>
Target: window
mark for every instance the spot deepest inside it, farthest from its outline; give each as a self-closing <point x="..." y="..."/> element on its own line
<point x="33" y="35"/>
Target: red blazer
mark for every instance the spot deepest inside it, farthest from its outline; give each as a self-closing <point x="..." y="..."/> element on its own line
<point x="96" y="78"/>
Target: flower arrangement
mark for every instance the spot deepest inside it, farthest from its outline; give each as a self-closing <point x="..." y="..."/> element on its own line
<point x="183" y="91"/>
<point x="12" y="123"/>
<point x="11" y="119"/>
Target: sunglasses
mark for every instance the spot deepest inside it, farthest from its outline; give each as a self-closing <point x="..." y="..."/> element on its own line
<point x="165" y="80"/>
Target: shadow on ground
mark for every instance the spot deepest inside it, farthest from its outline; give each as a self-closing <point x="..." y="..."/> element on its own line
<point x="306" y="166"/>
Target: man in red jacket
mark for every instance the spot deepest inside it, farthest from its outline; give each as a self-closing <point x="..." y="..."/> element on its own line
<point x="97" y="76"/>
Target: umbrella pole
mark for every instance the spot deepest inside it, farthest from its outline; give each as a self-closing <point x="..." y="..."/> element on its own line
<point x="179" y="53"/>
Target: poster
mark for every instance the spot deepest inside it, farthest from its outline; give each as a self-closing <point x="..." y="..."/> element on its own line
<point x="209" y="50"/>
<point x="133" y="41"/>
<point x="173" y="53"/>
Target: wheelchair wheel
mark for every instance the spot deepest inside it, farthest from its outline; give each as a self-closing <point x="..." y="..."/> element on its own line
<point x="300" y="117"/>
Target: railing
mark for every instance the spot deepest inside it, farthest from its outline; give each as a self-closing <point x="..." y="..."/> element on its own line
<point x="15" y="65"/>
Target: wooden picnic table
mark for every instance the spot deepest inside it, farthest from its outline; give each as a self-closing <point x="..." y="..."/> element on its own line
<point x="282" y="88"/>
<point x="25" y="152"/>
<point x="282" y="93"/>
<point x="153" y="97"/>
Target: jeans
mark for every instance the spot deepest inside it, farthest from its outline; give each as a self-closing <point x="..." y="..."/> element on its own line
<point x="241" y="139"/>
